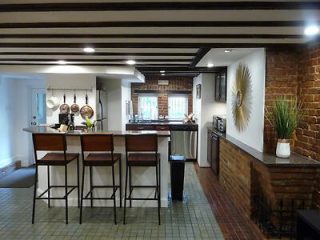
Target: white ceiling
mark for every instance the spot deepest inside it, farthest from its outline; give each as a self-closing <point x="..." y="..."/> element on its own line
<point x="158" y="36"/>
<point x="219" y="58"/>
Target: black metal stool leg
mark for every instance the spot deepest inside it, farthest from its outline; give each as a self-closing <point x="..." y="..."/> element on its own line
<point x="114" y="196"/>
<point x="66" y="190"/>
<point x="159" y="191"/>
<point x="78" y="181"/>
<point x="130" y="189"/>
<point x="35" y="193"/>
<point x="120" y="182"/>
<point x="91" y="190"/>
<point x="48" y="175"/>
<point x="125" y="197"/>
<point x="82" y="186"/>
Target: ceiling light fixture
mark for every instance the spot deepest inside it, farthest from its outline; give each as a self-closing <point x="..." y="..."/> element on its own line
<point x="89" y="50"/>
<point x="210" y="65"/>
<point x="228" y="50"/>
<point x="62" y="62"/>
<point x="163" y="74"/>
<point x="311" y="30"/>
<point x="131" y="62"/>
<point x="162" y="71"/>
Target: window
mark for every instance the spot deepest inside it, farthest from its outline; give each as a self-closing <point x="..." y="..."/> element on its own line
<point x="177" y="106"/>
<point x="148" y="106"/>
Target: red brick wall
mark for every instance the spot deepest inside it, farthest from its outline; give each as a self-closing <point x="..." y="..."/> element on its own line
<point x="308" y="135"/>
<point x="281" y="79"/>
<point x="296" y="73"/>
<point x="175" y="84"/>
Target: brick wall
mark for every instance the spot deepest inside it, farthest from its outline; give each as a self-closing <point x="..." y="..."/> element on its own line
<point x="235" y="175"/>
<point x="296" y="73"/>
<point x="175" y="84"/>
<point x="281" y="79"/>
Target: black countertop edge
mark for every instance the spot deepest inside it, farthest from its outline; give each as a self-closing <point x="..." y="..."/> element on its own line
<point x="162" y="123"/>
<point x="78" y="132"/>
<point x="295" y="160"/>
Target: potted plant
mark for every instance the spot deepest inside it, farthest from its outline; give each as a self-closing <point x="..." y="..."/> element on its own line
<point x="89" y="124"/>
<point x="284" y="116"/>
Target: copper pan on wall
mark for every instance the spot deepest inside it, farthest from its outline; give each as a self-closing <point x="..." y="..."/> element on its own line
<point x="64" y="108"/>
<point x="86" y="110"/>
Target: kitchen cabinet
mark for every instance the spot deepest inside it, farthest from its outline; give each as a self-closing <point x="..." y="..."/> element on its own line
<point x="221" y="87"/>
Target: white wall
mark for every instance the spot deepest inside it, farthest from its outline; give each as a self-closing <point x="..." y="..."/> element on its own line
<point x="78" y="82"/>
<point x="125" y="96"/>
<point x="253" y="134"/>
<point x="16" y="99"/>
<point x="205" y="108"/>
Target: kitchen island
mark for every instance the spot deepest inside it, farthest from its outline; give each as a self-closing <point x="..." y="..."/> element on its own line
<point x="74" y="146"/>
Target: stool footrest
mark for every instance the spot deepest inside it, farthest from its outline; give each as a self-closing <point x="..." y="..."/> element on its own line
<point x="130" y="198"/>
<point x="54" y="186"/>
<point x="107" y="186"/>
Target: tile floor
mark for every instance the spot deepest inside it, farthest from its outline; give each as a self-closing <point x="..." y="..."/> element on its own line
<point x="192" y="219"/>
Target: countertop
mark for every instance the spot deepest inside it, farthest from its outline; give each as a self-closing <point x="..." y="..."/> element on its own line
<point x="37" y="129"/>
<point x="295" y="160"/>
<point x="161" y="123"/>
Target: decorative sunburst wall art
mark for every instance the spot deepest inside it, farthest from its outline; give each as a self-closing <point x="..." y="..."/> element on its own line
<point x="242" y="97"/>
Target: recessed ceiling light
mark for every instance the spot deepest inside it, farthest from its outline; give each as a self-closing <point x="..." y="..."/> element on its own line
<point x="228" y="50"/>
<point x="62" y="62"/>
<point x="210" y="65"/>
<point x="311" y="30"/>
<point x="89" y="50"/>
<point x="131" y="62"/>
<point x="163" y="74"/>
<point x="162" y="71"/>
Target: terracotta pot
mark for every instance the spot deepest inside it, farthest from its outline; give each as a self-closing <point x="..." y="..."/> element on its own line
<point x="283" y="148"/>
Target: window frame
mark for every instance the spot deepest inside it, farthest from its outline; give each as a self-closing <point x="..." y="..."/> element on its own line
<point x="157" y="106"/>
<point x="186" y="96"/>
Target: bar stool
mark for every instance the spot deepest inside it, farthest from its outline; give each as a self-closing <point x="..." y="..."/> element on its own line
<point x="100" y="154"/>
<point x="142" y="151"/>
<point x="53" y="142"/>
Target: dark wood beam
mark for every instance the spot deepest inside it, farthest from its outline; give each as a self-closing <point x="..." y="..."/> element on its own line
<point x="185" y="24"/>
<point x="105" y="54"/>
<point x="177" y="69"/>
<point x="144" y="45"/>
<point x="200" y="54"/>
<point x="186" y="61"/>
<point x="192" y="36"/>
<point x="146" y="6"/>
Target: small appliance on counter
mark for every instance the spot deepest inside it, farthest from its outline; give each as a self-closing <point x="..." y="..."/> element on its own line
<point x="219" y="123"/>
<point x="67" y="119"/>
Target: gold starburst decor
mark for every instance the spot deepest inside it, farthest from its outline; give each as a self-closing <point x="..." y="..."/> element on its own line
<point x="241" y="97"/>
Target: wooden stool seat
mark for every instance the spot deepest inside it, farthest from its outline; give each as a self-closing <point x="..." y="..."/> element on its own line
<point x="57" y="159"/>
<point x="143" y="159"/>
<point x="57" y="143"/>
<point x="142" y="151"/>
<point x="97" y="151"/>
<point x="101" y="159"/>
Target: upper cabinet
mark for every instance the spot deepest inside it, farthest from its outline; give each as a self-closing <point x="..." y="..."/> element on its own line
<point x="221" y="87"/>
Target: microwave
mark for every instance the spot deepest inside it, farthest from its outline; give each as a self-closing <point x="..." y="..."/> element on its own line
<point x="219" y="123"/>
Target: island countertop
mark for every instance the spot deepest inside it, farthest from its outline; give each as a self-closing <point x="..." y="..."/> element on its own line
<point x="269" y="159"/>
<point x="42" y="129"/>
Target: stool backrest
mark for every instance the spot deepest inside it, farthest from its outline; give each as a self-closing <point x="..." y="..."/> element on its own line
<point x="142" y="143"/>
<point x="49" y="142"/>
<point x="97" y="142"/>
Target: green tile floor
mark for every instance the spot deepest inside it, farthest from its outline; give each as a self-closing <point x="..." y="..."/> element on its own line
<point x="192" y="219"/>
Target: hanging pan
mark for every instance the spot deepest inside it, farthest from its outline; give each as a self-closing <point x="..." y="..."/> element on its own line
<point x="75" y="107"/>
<point x="64" y="108"/>
<point x="86" y="110"/>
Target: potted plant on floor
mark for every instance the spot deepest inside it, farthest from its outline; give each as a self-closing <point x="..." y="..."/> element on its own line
<point x="284" y="116"/>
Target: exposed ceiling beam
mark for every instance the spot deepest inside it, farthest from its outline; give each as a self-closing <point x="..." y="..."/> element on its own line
<point x="145" y="45"/>
<point x="158" y="35"/>
<point x="200" y="54"/>
<point x="105" y="54"/>
<point x="147" y="6"/>
<point x="101" y="24"/>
